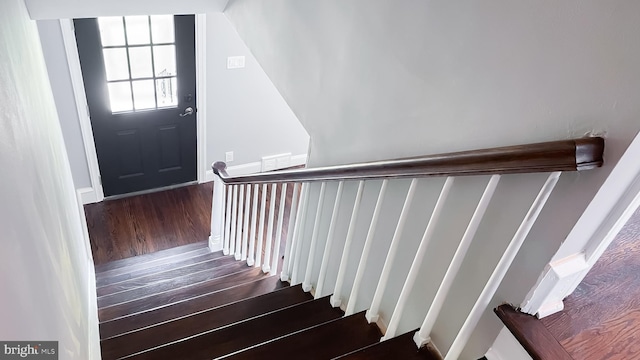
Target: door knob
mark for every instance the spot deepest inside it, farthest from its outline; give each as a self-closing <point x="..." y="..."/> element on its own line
<point x="188" y="111"/>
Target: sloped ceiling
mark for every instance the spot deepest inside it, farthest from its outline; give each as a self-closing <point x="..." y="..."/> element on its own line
<point x="65" y="9"/>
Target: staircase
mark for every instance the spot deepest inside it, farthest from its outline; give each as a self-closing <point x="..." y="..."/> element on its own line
<point x="354" y="294"/>
<point x="190" y="303"/>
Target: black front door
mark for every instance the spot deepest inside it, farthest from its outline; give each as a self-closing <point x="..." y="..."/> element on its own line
<point x="139" y="76"/>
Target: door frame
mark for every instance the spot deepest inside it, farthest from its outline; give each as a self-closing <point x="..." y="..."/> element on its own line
<point x="95" y="193"/>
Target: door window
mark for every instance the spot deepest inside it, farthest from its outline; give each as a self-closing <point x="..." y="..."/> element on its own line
<point x="140" y="62"/>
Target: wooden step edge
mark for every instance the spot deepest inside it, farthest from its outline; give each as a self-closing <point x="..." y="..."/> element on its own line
<point x="142" y="319"/>
<point x="531" y="333"/>
<point x="218" y="262"/>
<point x="400" y="347"/>
<point x="152" y="293"/>
<point x="259" y="276"/>
<point x="218" y="307"/>
<point x="243" y="322"/>
<point x="150" y="258"/>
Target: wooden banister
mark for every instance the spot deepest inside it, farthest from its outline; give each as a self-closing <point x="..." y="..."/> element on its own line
<point x="564" y="155"/>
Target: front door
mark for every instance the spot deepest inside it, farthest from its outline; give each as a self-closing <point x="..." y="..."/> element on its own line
<point x="139" y="77"/>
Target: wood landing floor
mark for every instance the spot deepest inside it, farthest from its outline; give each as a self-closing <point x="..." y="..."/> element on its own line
<point x="148" y="223"/>
<point x="601" y="319"/>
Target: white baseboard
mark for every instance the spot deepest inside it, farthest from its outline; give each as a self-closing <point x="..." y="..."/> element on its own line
<point x="506" y="347"/>
<point x="87" y="195"/>
<point x="255" y="167"/>
<point x="556" y="282"/>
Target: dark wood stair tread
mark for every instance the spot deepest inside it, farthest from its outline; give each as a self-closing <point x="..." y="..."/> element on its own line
<point x="168" y="261"/>
<point x="165" y="276"/>
<point x="248" y="333"/>
<point x="124" y="274"/>
<point x="170" y="284"/>
<point x="157" y="255"/>
<point x="216" y="318"/>
<point x="534" y="337"/>
<point x="263" y="285"/>
<point x="321" y="342"/>
<point x="400" y="347"/>
<point x="167" y="298"/>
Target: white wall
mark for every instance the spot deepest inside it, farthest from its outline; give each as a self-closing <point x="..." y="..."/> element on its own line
<point x="46" y="272"/>
<point x="245" y="112"/>
<point x="384" y="79"/>
<point x="58" y="69"/>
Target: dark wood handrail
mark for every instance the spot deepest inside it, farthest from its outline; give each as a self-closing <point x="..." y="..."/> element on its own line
<point x="564" y="155"/>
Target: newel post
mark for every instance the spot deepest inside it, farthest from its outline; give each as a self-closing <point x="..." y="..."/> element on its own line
<point x="217" y="208"/>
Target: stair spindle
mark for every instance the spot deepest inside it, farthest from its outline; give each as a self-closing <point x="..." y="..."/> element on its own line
<point x="266" y="267"/>
<point x="254" y="220"/>
<point x="234" y="213"/>
<point x="238" y="254"/>
<point x="277" y="242"/>
<point x="328" y="243"/>
<point x="342" y="270"/>
<point x="372" y="313"/>
<point x="357" y="282"/>
<point x="306" y="284"/>
<point x="418" y="259"/>
<point x="263" y="205"/>
<point x="245" y="230"/>
<point x="292" y="230"/>
<point x="227" y="221"/>
<point x="304" y="207"/>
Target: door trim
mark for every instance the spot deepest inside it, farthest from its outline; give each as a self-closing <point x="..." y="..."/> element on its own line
<point x="96" y="193"/>
<point x="73" y="60"/>
<point x="201" y="96"/>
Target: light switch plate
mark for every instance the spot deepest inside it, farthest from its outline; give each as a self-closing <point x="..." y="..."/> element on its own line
<point x="235" y="62"/>
<point x="228" y="156"/>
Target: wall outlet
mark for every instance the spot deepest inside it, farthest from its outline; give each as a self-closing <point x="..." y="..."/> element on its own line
<point x="235" y="62"/>
<point x="275" y="162"/>
<point x="228" y="156"/>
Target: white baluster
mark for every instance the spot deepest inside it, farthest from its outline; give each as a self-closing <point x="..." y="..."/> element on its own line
<point x="254" y="220"/>
<point x="263" y="205"/>
<point x="336" y="299"/>
<point x="327" y="246"/>
<point x="304" y="207"/>
<point x="227" y="221"/>
<point x="409" y="282"/>
<point x="292" y="229"/>
<point x="238" y="255"/>
<point x="234" y="212"/>
<point x="372" y="313"/>
<point x="342" y="270"/>
<point x="277" y="242"/>
<point x="422" y="336"/>
<point x="306" y="284"/>
<point x="217" y="215"/>
<point x="272" y="214"/>
<point x="245" y="230"/>
<point x="499" y="272"/>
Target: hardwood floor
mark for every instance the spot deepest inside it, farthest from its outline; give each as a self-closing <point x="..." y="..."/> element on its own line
<point x="148" y="223"/>
<point x="601" y="319"/>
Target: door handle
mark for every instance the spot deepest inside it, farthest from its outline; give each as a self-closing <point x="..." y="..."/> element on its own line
<point x="188" y="111"/>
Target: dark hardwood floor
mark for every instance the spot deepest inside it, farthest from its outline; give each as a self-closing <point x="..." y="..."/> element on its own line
<point x="601" y="319"/>
<point x="143" y="224"/>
